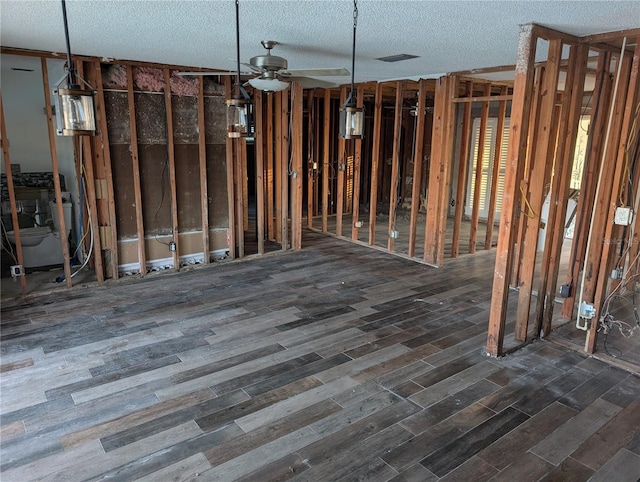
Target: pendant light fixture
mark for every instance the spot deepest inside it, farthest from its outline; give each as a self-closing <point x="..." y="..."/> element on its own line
<point x="352" y="117"/>
<point x="75" y="107"/>
<point x="239" y="105"/>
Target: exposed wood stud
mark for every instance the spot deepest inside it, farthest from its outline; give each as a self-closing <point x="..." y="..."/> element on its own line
<point x="541" y="171"/>
<point x="357" y="166"/>
<point x="342" y="168"/>
<point x="259" y="146"/>
<point x="418" y="155"/>
<point x="477" y="181"/>
<point x="517" y="152"/>
<point x="269" y="143"/>
<point x="172" y="169"/>
<point x="56" y="173"/>
<point x="463" y="168"/>
<point x="497" y="154"/>
<point x="204" y="188"/>
<point x="441" y="155"/>
<point x="618" y="157"/>
<point x="12" y="195"/>
<point x="278" y="166"/>
<point x="105" y="172"/>
<point x="375" y="162"/>
<point x="325" y="160"/>
<point x="569" y="122"/>
<point x="395" y="167"/>
<point x="296" y="165"/>
<point x="311" y="156"/>
<point x="135" y="165"/>
<point x="284" y="170"/>
<point x="86" y="161"/>
<point x="230" y="160"/>
<point x="241" y="204"/>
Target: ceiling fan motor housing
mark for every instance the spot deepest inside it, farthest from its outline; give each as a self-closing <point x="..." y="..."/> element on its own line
<point x="268" y="63"/>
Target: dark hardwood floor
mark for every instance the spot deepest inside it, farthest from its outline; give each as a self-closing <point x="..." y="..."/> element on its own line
<point x="334" y="363"/>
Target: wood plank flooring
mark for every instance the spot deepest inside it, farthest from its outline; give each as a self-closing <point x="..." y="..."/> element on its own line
<point x="334" y="363"/>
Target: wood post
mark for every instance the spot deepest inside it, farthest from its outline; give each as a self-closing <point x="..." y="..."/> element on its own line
<point x="135" y="165"/>
<point x="477" y="181"/>
<point x="462" y="172"/>
<point x="230" y="160"/>
<point x="541" y="170"/>
<point x="56" y="174"/>
<point x="342" y="168"/>
<point x="357" y="166"/>
<point x="375" y="161"/>
<point x="325" y="160"/>
<point x="204" y="187"/>
<point x="259" y="119"/>
<point x="441" y="154"/>
<point x="395" y="167"/>
<point x="296" y="166"/>
<point x="172" y="169"/>
<point x="517" y="152"/>
<point x="311" y="157"/>
<point x="284" y="169"/>
<point x="495" y="172"/>
<point x="418" y="154"/>
<point x="12" y="195"/>
<point x="106" y="207"/>
<point x="269" y="142"/>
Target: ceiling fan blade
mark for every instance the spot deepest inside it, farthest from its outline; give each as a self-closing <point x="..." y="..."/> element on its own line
<point x="214" y="73"/>
<point x="309" y="83"/>
<point x="340" y="72"/>
<point x="252" y="67"/>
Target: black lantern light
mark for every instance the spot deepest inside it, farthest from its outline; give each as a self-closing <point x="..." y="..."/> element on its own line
<point x="352" y="117"/>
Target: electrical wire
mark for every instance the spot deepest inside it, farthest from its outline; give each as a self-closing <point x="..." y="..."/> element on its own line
<point x="11" y="253"/>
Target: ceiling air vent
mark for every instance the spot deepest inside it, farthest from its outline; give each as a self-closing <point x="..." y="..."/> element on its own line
<point x="398" y="57"/>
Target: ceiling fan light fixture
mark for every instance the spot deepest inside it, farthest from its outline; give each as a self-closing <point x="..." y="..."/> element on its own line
<point x="75" y="107"/>
<point x="351" y="116"/>
<point x="268" y="85"/>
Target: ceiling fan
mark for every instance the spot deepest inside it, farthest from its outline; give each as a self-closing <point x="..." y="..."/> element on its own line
<point x="273" y="72"/>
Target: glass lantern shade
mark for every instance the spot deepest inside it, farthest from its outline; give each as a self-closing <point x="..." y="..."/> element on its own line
<point x="75" y="112"/>
<point x="351" y="122"/>
<point x="237" y="118"/>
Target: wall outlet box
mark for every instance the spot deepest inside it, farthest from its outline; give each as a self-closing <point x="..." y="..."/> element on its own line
<point x="394" y="234"/>
<point x="172" y="246"/>
<point x="623" y="216"/>
<point x="565" y="291"/>
<point x="358" y="224"/>
<point x="17" y="270"/>
<point x="587" y="311"/>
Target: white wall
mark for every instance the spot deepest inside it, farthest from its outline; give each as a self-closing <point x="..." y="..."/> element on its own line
<point x="26" y="122"/>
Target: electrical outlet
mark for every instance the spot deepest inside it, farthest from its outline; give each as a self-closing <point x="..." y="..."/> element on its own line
<point x="623" y="216"/>
<point x="358" y="224"/>
<point x="616" y="273"/>
<point x="394" y="234"/>
<point x="17" y="270"/>
<point x="172" y="246"/>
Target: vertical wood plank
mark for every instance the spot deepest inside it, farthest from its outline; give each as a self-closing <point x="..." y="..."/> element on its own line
<point x="541" y="171"/>
<point x="260" y="201"/>
<point x="325" y="160"/>
<point x="518" y="129"/>
<point x="502" y="112"/>
<point x="284" y="171"/>
<point x="477" y="182"/>
<point x="342" y="168"/>
<point x="395" y="167"/>
<point x="204" y="188"/>
<point x="241" y="207"/>
<point x="462" y="172"/>
<point x="357" y="166"/>
<point x="316" y="156"/>
<point x="570" y="122"/>
<point x="230" y="160"/>
<point x="104" y="171"/>
<point x="12" y="194"/>
<point x="375" y="162"/>
<point x="441" y="155"/>
<point x="135" y="164"/>
<point x="278" y="167"/>
<point x="269" y="143"/>
<point x="618" y="155"/>
<point x="311" y="157"/>
<point x="296" y="167"/>
<point x="56" y="173"/>
<point x="87" y="169"/>
<point x="418" y="153"/>
<point x="172" y="168"/>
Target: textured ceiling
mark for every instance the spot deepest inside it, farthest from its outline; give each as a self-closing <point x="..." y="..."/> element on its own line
<point x="447" y="36"/>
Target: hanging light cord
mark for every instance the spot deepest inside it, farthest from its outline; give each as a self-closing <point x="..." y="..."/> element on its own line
<point x="71" y="70"/>
<point x="353" y="51"/>
<point x="237" y="41"/>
